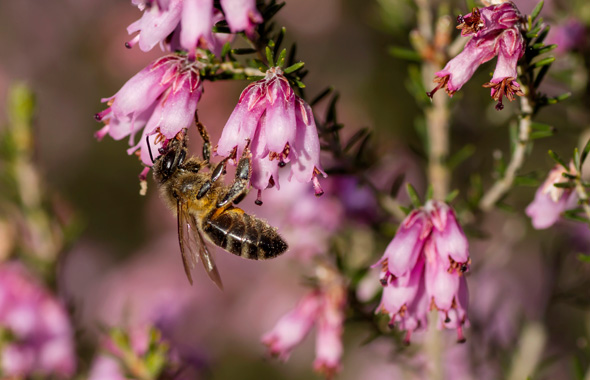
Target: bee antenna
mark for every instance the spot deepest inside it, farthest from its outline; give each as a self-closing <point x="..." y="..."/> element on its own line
<point x="147" y="141"/>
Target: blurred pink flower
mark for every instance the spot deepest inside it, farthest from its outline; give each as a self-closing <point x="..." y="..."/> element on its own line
<point x="190" y="22"/>
<point x="161" y="99"/>
<point x="568" y="36"/>
<point x="41" y="336"/>
<point x="495" y="31"/>
<point x="106" y="368"/>
<point x="293" y="326"/>
<point x="241" y="15"/>
<point x="324" y="306"/>
<point x="423" y="268"/>
<point x="550" y="201"/>
<point x="280" y="127"/>
<point x="305" y="221"/>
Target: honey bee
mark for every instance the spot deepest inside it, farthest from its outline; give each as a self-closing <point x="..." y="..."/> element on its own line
<point x="204" y="207"/>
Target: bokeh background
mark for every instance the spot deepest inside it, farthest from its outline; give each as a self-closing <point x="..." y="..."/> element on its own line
<point x="125" y="267"/>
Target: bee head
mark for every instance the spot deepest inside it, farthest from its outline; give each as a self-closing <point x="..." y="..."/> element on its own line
<point x="171" y="158"/>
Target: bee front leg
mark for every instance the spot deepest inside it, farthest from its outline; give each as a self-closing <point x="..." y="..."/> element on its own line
<point x="206" y="141"/>
<point x="241" y="185"/>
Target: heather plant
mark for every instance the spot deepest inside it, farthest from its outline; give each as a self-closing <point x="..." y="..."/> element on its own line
<point x="375" y="276"/>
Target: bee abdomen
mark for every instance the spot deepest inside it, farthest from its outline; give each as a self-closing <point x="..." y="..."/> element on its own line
<point x="244" y="235"/>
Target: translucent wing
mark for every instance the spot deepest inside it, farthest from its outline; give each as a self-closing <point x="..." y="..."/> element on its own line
<point x="192" y="245"/>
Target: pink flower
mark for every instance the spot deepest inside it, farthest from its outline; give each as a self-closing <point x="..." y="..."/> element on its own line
<point x="423" y="268"/>
<point x="494" y="31"/>
<point x="293" y="327"/>
<point x="190" y="23"/>
<point x="161" y="99"/>
<point x="324" y="306"/>
<point x="241" y="15"/>
<point x="551" y="201"/>
<point x="281" y="129"/>
<point x="42" y="340"/>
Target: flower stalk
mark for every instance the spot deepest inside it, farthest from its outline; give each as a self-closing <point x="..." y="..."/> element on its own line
<point x="504" y="184"/>
<point x="435" y="42"/>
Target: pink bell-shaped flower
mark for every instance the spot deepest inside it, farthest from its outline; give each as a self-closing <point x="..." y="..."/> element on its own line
<point x="280" y="128"/>
<point x="423" y="268"/>
<point x="495" y="31"/>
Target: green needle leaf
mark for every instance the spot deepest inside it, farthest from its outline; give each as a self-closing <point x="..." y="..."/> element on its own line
<point x="294" y="67"/>
<point x="558" y="159"/>
<point x="535" y="13"/>
<point x="413" y="194"/>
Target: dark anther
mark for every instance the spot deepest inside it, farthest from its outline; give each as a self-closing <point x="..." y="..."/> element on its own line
<point x="460" y="19"/>
<point x="447" y="319"/>
<point x="462" y="340"/>
<point x="463" y="268"/>
<point x="128" y="45"/>
<point x="97" y="116"/>
<point x="282" y="164"/>
<point x="161" y="150"/>
<point x="383" y="281"/>
<point x="258" y="202"/>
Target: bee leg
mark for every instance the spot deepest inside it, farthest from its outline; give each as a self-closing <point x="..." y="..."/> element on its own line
<point x="241" y="184"/>
<point x="205" y="136"/>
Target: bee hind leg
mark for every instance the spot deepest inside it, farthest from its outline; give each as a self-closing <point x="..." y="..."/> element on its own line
<point x="241" y="185"/>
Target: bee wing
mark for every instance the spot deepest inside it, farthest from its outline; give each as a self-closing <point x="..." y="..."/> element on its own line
<point x="193" y="247"/>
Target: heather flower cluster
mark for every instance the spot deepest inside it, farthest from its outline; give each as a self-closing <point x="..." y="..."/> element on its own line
<point x="281" y="128"/>
<point x="187" y="24"/>
<point x="551" y="201"/>
<point x="495" y="31"/>
<point x="161" y="100"/>
<point x="323" y="307"/>
<point x="423" y="268"/>
<point x="36" y="338"/>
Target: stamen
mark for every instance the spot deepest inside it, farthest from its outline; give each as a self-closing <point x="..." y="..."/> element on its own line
<point x="408" y="337"/>
<point x="470" y="24"/>
<point x="391" y="323"/>
<point x="99" y="116"/>
<point x="506" y="87"/>
<point x="258" y="200"/>
<point x="132" y="42"/>
<point x="460" y="336"/>
<point x="442" y="83"/>
<point x="316" y="186"/>
<point x="143" y="174"/>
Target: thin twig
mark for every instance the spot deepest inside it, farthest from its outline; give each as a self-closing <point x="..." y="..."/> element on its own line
<point x="504" y="184"/>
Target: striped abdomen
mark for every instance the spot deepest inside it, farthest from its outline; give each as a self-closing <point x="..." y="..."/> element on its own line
<point x="244" y="235"/>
